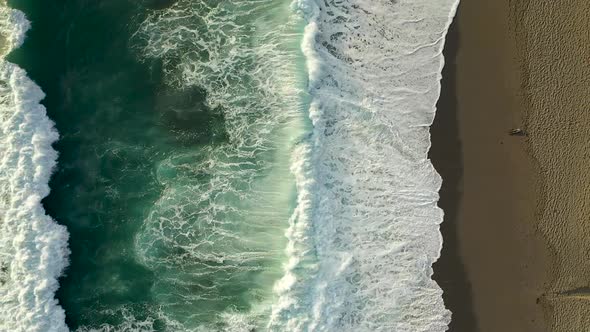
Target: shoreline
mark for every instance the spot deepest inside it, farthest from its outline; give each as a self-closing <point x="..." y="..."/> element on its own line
<point x="516" y="241"/>
<point x="446" y="156"/>
<point x="494" y="264"/>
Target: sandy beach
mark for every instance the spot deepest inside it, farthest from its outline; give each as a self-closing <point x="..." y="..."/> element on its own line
<point x="517" y="229"/>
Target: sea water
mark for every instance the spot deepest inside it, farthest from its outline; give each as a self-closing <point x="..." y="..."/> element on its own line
<point x="374" y="72"/>
<point x="32" y="246"/>
<point x="246" y="165"/>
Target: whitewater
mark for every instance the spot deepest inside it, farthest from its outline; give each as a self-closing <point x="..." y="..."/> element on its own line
<point x="363" y="232"/>
<point x="374" y="78"/>
<point x="33" y="248"/>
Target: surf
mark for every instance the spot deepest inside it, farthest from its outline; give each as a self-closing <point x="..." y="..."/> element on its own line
<point x="275" y="178"/>
<point x="33" y="248"/>
<point x="374" y="220"/>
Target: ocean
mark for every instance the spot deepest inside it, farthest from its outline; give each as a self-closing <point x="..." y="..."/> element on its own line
<point x="210" y="165"/>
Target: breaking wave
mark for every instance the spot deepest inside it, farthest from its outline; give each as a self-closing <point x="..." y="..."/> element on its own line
<point x="373" y="221"/>
<point x="33" y="248"/>
<point x="312" y="208"/>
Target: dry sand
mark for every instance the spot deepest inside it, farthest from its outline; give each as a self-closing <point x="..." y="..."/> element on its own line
<point x="517" y="226"/>
<point x="554" y="55"/>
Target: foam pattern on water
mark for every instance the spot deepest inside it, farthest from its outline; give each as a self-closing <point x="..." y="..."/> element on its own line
<point x="374" y="70"/>
<point x="33" y="248"/>
<point x="357" y="198"/>
<point x="216" y="235"/>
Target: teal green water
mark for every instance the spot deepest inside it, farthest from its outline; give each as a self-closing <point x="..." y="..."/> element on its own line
<point x="177" y="126"/>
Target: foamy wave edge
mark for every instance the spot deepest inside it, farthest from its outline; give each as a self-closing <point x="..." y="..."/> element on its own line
<point x="296" y="309"/>
<point x="33" y="248"/>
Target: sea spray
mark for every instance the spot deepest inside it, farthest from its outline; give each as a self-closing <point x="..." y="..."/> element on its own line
<point x="374" y="71"/>
<point x="178" y="124"/>
<point x="215" y="236"/>
<point x="219" y="207"/>
<point x="33" y="248"/>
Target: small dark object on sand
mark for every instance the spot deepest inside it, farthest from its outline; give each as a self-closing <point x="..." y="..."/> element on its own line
<point x="517" y="132"/>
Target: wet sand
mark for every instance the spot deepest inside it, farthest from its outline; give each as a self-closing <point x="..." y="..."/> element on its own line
<point x="516" y="255"/>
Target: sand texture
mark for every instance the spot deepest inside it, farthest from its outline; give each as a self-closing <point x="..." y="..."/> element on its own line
<point x="554" y="55"/>
<point x="517" y="228"/>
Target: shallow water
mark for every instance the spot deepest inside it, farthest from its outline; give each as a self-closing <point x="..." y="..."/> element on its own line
<point x="174" y="181"/>
<point x="241" y="165"/>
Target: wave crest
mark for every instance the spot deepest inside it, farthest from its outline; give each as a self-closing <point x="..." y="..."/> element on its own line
<point x="374" y="71"/>
<point x="33" y="248"/>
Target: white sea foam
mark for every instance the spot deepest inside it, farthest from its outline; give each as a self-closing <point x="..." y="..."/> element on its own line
<point x="33" y="248"/>
<point x="374" y="70"/>
<point x="364" y="234"/>
<point x="215" y="234"/>
<point x="129" y="324"/>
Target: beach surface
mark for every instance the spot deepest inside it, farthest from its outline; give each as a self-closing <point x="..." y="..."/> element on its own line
<point x="516" y="230"/>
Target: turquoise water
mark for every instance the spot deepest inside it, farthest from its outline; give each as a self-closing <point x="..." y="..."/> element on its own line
<point x="224" y="165"/>
<point x="177" y="124"/>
